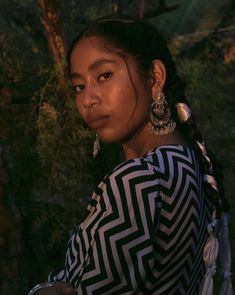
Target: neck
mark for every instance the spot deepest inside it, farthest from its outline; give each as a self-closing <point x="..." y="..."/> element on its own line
<point x="144" y="141"/>
<point x="139" y="144"/>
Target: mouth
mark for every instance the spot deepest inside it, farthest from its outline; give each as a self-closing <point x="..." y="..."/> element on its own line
<point x="95" y="122"/>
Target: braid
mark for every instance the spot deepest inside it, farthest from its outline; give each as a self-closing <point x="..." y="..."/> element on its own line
<point x="213" y="188"/>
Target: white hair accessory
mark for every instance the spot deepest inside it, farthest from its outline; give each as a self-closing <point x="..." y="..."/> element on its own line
<point x="210" y="254"/>
<point x="184" y="112"/>
<point x="211" y="180"/>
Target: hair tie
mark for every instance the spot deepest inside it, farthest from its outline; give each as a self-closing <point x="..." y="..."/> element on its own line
<point x="211" y="180"/>
<point x="184" y="112"/>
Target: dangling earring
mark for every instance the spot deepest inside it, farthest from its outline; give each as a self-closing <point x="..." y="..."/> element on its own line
<point x="160" y="115"/>
<point x="96" y="146"/>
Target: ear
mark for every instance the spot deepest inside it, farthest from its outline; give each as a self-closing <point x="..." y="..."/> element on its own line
<point x="158" y="74"/>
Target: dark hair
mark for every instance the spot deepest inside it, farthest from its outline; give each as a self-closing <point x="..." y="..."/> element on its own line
<point x="142" y="41"/>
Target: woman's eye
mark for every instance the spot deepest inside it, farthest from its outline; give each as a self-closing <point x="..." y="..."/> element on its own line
<point x="79" y="87"/>
<point x="105" y="76"/>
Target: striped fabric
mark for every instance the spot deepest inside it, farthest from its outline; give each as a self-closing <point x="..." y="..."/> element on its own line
<point x="144" y="229"/>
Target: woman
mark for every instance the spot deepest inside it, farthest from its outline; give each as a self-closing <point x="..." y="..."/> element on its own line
<point x="145" y="228"/>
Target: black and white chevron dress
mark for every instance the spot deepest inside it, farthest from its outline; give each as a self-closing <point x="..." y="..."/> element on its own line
<point x="144" y="229"/>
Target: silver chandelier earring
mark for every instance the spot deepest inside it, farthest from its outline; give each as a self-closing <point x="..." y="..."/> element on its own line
<point x="96" y="146"/>
<point x="160" y="115"/>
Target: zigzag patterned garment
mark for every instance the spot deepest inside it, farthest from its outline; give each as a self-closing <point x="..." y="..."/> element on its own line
<point x="144" y="230"/>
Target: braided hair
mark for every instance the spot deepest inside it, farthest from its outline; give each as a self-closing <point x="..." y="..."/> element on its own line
<point x="142" y="41"/>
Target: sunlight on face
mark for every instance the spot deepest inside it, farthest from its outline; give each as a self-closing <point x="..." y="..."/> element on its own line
<point x="111" y="96"/>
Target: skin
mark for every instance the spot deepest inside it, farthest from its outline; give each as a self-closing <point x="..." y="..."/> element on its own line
<point x="59" y="288"/>
<point x="114" y="99"/>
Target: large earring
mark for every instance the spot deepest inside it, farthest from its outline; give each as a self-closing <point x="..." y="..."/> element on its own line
<point x="96" y="146"/>
<point x="160" y="115"/>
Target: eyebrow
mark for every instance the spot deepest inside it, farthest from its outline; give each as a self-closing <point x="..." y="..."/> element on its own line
<point x="93" y="67"/>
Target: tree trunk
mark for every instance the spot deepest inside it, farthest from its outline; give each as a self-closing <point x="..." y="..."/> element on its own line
<point x="142" y="8"/>
<point x="51" y="20"/>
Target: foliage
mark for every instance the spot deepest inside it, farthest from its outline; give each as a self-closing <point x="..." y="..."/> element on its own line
<point x="62" y="138"/>
<point x="66" y="177"/>
<point x="210" y="84"/>
<point x="210" y="88"/>
<point x="48" y="146"/>
<point x="15" y="72"/>
<point x="63" y="146"/>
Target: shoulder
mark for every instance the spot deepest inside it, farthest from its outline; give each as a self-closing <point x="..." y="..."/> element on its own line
<point x="161" y="167"/>
<point x="132" y="178"/>
<point x="131" y="191"/>
<point x="174" y="158"/>
<point x="131" y="169"/>
<point x="161" y="159"/>
<point x="172" y="153"/>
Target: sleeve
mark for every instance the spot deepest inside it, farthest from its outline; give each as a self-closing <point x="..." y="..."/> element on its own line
<point x="57" y="276"/>
<point x="143" y="233"/>
<point x="112" y="252"/>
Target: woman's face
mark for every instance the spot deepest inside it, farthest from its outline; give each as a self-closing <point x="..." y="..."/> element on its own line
<point x="111" y="96"/>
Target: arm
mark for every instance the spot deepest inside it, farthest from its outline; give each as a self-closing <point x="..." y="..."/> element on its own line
<point x="115" y="241"/>
<point x="112" y="250"/>
<point x="59" y="288"/>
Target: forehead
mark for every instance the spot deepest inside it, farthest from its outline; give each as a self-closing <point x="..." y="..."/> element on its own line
<point x="90" y="48"/>
<point x="91" y="52"/>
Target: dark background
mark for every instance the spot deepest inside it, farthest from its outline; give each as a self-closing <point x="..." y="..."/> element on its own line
<point x="47" y="172"/>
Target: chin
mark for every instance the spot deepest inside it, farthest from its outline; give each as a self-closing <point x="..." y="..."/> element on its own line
<point x="108" y="138"/>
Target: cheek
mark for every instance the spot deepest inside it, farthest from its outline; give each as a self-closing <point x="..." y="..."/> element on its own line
<point x="124" y="104"/>
<point x="124" y="97"/>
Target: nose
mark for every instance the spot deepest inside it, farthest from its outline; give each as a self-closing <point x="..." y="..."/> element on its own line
<point x="90" y="97"/>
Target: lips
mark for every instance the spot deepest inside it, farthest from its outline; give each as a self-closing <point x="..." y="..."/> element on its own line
<point x="97" y="121"/>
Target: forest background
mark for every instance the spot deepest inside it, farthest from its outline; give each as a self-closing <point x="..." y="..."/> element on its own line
<point x="46" y="170"/>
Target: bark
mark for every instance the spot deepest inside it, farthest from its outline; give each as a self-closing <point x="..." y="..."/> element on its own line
<point x="51" y="21"/>
<point x="142" y="8"/>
